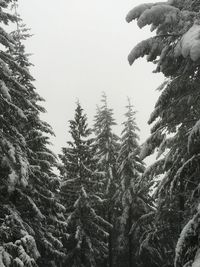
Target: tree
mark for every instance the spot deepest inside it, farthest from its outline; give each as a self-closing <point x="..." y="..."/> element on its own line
<point x="106" y="145"/>
<point x="76" y="167"/>
<point x="29" y="211"/>
<point x="17" y="244"/>
<point x="87" y="241"/>
<point x="87" y="232"/>
<point x="130" y="169"/>
<point x="106" y="149"/>
<point x="175" y="51"/>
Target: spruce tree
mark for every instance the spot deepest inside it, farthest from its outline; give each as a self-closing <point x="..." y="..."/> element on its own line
<point x="175" y="51"/>
<point x="76" y="167"/>
<point x="106" y="146"/>
<point x="17" y="244"/>
<point x="129" y="193"/>
<point x="29" y="210"/>
<point x="106" y="150"/>
<point x="87" y="232"/>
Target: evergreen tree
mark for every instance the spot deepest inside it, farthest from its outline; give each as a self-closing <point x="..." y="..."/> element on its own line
<point x="43" y="183"/>
<point x="17" y="244"/>
<point x="106" y="149"/>
<point x="133" y="204"/>
<point x="76" y="167"/>
<point x="175" y="51"/>
<point x="87" y="232"/>
<point x="87" y="241"/>
<point x="29" y="211"/>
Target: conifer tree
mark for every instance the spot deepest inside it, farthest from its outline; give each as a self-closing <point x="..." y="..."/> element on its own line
<point x="29" y="209"/>
<point x="17" y="244"/>
<point x="87" y="232"/>
<point x="129" y="193"/>
<point x="76" y="167"/>
<point x="87" y="240"/>
<point x="106" y="149"/>
<point x="175" y="51"/>
<point x="106" y="145"/>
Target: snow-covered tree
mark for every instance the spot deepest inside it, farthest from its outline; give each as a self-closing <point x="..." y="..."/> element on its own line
<point x="17" y="245"/>
<point x="43" y="183"/>
<point x="14" y="165"/>
<point x="87" y="239"/>
<point x="88" y="233"/>
<point x="29" y="217"/>
<point x="77" y="163"/>
<point x="128" y="196"/>
<point x="106" y="144"/>
<point x="106" y="148"/>
<point x="175" y="51"/>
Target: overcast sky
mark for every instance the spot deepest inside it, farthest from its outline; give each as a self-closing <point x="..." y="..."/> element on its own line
<point x="80" y="49"/>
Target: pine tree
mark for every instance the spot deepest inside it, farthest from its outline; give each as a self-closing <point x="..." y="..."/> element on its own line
<point x="175" y="51"/>
<point x="106" y="149"/>
<point x="87" y="232"/>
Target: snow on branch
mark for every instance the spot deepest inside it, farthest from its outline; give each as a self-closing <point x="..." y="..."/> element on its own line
<point x="189" y="45"/>
<point x="151" y="47"/>
<point x="151" y="143"/>
<point x="154" y="14"/>
<point x="157" y="15"/>
<point x="193" y="139"/>
<point x="187" y="168"/>
<point x="196" y="262"/>
<point x="4" y="90"/>
<point x="136" y="12"/>
<point x="185" y="240"/>
<point x="154" y="169"/>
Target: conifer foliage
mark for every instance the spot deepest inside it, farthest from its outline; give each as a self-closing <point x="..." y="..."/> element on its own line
<point x="29" y="220"/>
<point x="129" y="194"/>
<point x="76" y="167"/>
<point x="17" y="244"/>
<point x="175" y="133"/>
<point x="87" y="232"/>
<point x="87" y="241"/>
<point x="106" y="145"/>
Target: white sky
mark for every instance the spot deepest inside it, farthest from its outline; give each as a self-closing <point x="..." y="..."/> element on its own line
<point x="80" y="49"/>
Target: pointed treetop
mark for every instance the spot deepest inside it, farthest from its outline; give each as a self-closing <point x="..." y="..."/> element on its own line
<point x="79" y="123"/>
<point x="104" y="99"/>
<point x="130" y="113"/>
<point x="129" y="102"/>
<point x="77" y="101"/>
<point x="130" y="123"/>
